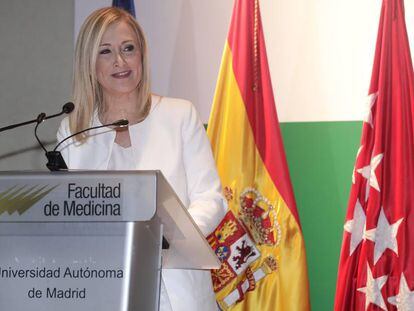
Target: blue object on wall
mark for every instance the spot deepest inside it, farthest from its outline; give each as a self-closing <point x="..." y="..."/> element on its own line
<point x="127" y="5"/>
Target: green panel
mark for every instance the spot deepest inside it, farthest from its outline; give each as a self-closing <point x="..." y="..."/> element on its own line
<point x="321" y="157"/>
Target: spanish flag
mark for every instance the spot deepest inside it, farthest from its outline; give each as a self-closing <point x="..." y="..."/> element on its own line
<point x="260" y="241"/>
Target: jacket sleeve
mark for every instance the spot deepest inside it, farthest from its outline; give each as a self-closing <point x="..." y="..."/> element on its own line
<point x="207" y="205"/>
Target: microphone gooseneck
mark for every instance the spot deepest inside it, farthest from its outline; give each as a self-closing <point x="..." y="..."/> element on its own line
<point x="58" y="162"/>
<point x="40" y="118"/>
<point x="66" y="108"/>
<point x="118" y="123"/>
<point x="55" y="159"/>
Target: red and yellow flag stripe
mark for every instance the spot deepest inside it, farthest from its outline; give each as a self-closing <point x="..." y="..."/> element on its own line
<point x="248" y="148"/>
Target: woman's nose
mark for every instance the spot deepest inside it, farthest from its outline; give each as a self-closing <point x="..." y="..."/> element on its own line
<point x="119" y="59"/>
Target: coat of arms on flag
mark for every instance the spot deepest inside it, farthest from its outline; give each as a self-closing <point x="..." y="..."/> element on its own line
<point x="235" y="239"/>
<point x="234" y="242"/>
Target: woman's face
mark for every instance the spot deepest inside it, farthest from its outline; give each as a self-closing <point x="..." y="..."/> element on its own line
<point x="118" y="65"/>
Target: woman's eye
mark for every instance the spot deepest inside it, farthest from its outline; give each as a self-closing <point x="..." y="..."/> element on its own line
<point x="129" y="48"/>
<point x="104" y="51"/>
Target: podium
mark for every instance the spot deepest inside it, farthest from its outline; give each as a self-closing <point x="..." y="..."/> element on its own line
<point x="92" y="240"/>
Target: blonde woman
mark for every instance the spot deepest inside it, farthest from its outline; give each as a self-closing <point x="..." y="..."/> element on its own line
<point x="111" y="82"/>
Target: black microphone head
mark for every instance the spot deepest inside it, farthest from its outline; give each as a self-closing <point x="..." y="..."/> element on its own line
<point x="121" y="123"/>
<point x="68" y="107"/>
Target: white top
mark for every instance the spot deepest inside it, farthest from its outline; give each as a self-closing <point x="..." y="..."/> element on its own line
<point x="121" y="158"/>
<point x="171" y="139"/>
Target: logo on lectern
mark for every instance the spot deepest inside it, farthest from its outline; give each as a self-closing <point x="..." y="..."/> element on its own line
<point x="21" y="198"/>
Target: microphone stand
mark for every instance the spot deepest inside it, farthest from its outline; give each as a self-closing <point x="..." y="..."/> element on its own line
<point x="9" y="127"/>
<point x="55" y="160"/>
<point x="40" y="118"/>
<point x="67" y="108"/>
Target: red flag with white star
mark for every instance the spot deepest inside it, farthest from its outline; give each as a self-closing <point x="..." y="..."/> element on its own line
<point x="376" y="267"/>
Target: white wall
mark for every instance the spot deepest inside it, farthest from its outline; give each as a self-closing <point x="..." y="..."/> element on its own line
<point x="35" y="75"/>
<point x="320" y="52"/>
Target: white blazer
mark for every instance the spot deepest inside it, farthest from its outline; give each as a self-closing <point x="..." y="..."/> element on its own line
<point x="171" y="139"/>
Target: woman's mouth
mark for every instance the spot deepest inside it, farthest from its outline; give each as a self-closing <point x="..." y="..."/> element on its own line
<point x="121" y="74"/>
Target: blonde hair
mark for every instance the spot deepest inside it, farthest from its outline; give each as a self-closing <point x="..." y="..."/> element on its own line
<point x="87" y="93"/>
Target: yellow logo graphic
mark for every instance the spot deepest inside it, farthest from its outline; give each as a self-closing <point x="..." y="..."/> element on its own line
<point x="20" y="198"/>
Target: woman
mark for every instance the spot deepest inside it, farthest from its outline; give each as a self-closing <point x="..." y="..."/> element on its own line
<point x="111" y="82"/>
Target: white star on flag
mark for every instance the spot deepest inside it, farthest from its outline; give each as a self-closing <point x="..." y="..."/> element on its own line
<point x="368" y="172"/>
<point x="372" y="290"/>
<point x="369" y="104"/>
<point x="405" y="298"/>
<point x="356" y="159"/>
<point x="356" y="227"/>
<point x="384" y="236"/>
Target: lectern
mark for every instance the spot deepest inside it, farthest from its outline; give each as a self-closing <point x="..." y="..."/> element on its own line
<point x="92" y="240"/>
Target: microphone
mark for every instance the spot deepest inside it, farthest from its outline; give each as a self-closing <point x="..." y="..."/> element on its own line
<point x="120" y="123"/>
<point x="67" y="108"/>
<point x="40" y="118"/>
<point x="55" y="159"/>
